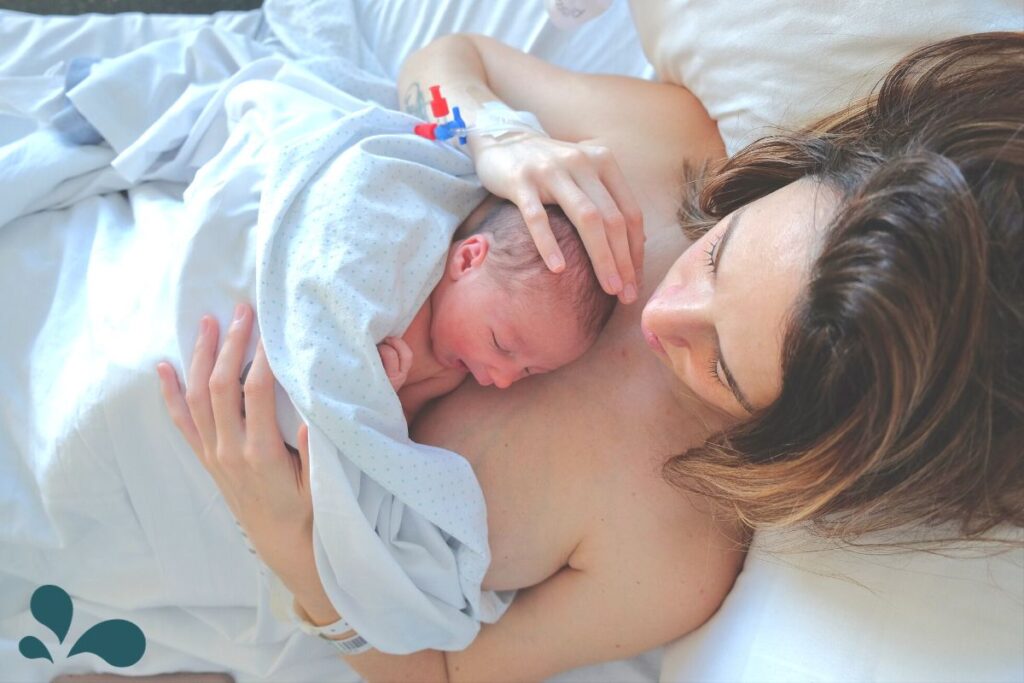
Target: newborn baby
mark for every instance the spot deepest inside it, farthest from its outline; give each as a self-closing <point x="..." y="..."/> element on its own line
<point x="498" y="312"/>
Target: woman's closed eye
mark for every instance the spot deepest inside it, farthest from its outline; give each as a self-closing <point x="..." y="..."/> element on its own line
<point x="716" y="366"/>
<point x="713" y="370"/>
<point x="710" y="253"/>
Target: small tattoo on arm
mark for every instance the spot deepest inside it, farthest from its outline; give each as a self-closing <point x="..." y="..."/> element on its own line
<point x="414" y="103"/>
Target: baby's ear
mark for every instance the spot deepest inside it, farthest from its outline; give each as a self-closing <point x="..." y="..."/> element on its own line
<point x="468" y="254"/>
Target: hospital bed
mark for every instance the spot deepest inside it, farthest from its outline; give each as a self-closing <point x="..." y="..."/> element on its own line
<point x="801" y="609"/>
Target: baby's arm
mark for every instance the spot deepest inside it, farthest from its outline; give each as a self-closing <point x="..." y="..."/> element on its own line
<point x="396" y="356"/>
<point x="415" y="396"/>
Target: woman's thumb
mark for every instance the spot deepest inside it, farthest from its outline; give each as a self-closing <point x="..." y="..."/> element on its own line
<point x="303" y="441"/>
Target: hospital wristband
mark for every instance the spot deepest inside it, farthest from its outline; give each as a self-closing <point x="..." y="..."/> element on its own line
<point x="353" y="645"/>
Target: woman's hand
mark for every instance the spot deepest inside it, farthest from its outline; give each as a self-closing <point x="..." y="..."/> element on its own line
<point x="531" y="170"/>
<point x="265" y="486"/>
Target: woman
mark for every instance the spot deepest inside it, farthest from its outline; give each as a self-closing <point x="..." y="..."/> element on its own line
<point x="842" y="343"/>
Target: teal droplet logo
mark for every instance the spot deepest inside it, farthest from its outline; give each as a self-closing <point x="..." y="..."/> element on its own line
<point x="32" y="648"/>
<point x="51" y="606"/>
<point x="116" y="641"/>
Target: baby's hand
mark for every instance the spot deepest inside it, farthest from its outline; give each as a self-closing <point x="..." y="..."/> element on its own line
<point x="396" y="357"/>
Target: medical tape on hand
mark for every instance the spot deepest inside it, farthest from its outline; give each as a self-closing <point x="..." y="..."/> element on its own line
<point x="497" y="119"/>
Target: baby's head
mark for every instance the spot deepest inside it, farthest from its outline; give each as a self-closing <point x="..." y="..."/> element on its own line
<point x="502" y="315"/>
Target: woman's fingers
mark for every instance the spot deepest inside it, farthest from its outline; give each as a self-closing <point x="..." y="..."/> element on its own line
<point x="613" y="179"/>
<point x="262" y="435"/>
<point x="584" y="211"/>
<point x="536" y="219"/>
<point x="197" y="389"/>
<point x="177" y="408"/>
<point x="608" y="237"/>
<point x="225" y="388"/>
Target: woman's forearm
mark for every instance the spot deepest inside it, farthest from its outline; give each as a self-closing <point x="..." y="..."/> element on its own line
<point x="428" y="666"/>
<point x="311" y="601"/>
<point x="454" y="63"/>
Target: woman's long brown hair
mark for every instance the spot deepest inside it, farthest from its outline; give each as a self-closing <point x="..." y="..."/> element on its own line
<point x="902" y="398"/>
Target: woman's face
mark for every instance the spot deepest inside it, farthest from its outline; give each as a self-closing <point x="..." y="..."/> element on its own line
<point x="719" y="316"/>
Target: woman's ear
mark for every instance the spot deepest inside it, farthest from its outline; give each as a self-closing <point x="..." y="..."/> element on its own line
<point x="467" y="255"/>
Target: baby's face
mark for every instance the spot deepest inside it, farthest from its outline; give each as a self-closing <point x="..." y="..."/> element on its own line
<point x="499" y="337"/>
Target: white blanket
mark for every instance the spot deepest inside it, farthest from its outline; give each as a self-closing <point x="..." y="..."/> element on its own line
<point x="230" y="175"/>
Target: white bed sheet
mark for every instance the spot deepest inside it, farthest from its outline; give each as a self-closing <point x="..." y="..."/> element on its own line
<point x="34" y="52"/>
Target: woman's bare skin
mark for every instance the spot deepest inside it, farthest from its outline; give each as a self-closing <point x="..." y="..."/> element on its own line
<point x="570" y="466"/>
<point x="609" y="559"/>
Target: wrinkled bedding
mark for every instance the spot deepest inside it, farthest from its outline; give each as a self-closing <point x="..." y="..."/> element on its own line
<point x="103" y="252"/>
<point x="232" y="175"/>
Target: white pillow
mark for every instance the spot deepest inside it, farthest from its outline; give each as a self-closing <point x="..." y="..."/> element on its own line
<point x="832" y="614"/>
<point x="803" y="610"/>
<point x="391" y="29"/>
<point x="756" y="64"/>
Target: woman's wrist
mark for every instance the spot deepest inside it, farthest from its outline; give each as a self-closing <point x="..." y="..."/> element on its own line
<point x="323" y="612"/>
<point x="302" y="579"/>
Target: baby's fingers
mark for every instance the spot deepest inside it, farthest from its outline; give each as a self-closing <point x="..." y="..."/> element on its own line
<point x="404" y="354"/>
<point x="390" y="360"/>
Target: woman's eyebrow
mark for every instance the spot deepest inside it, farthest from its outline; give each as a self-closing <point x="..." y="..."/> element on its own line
<point x="729" y="379"/>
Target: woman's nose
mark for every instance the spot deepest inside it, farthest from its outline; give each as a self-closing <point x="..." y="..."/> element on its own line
<point x="680" y="312"/>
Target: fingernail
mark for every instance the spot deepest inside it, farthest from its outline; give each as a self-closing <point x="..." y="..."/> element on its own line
<point x="629" y="293"/>
<point x="615" y="283"/>
<point x="239" y="312"/>
<point x="204" y="328"/>
<point x="555" y="263"/>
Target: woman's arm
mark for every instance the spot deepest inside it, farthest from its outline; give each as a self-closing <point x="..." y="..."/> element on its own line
<point x="600" y="125"/>
<point x="605" y="605"/>
<point x="643" y="123"/>
<point x="616" y="609"/>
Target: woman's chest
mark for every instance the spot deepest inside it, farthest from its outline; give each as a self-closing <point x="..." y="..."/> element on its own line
<point x="550" y="455"/>
<point x="524" y="459"/>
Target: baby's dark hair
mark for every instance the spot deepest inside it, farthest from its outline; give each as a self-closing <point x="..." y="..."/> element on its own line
<point x="521" y="270"/>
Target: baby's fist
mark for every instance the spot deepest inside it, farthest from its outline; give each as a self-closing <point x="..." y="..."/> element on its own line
<point x="396" y="357"/>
